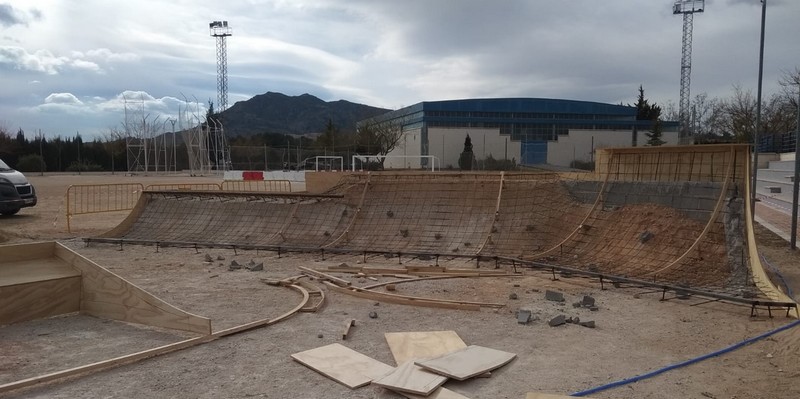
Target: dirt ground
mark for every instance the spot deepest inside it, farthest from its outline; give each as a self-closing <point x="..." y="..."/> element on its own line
<point x="636" y="332"/>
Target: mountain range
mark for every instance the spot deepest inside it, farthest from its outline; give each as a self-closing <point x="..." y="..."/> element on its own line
<point x="296" y="115"/>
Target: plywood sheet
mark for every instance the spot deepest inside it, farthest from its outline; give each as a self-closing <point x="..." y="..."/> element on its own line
<point x="343" y="364"/>
<point x="468" y="362"/>
<point x="39" y="299"/>
<point x="20" y="252"/>
<point x="107" y="295"/>
<point x="438" y="393"/>
<point x="28" y="271"/>
<point x="411" y="378"/>
<point x="420" y="345"/>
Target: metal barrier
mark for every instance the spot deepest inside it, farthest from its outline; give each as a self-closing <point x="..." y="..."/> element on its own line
<point x="184" y="187"/>
<point x="83" y="199"/>
<point x="280" y="186"/>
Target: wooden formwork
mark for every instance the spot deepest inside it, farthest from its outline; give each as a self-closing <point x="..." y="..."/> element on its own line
<point x="47" y="279"/>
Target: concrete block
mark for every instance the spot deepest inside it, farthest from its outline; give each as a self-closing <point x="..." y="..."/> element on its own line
<point x="587" y="301"/>
<point x="588" y="324"/>
<point x="523" y="316"/>
<point x="557" y="321"/>
<point x="554" y="296"/>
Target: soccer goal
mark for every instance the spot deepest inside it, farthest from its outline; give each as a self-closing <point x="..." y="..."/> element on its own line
<point x="361" y="162"/>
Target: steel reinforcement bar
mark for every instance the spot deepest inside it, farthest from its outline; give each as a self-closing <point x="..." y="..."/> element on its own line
<point x="753" y="303"/>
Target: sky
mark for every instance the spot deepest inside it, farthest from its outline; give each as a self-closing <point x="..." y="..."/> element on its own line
<point x="70" y="66"/>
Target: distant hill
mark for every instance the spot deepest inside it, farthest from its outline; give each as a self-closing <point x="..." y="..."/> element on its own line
<point x="298" y="115"/>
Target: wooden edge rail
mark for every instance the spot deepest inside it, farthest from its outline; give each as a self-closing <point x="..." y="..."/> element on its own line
<point x="411" y="300"/>
<point x="149" y="353"/>
<point x="324" y="276"/>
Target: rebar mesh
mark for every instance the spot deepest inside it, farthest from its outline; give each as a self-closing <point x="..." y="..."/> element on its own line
<point x="661" y="216"/>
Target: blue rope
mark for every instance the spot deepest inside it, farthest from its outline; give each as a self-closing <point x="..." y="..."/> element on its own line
<point x="686" y="362"/>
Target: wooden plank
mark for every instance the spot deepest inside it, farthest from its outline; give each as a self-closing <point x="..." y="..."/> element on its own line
<point x="468" y="362"/>
<point x="350" y="323"/>
<point x="402" y="300"/>
<point x="28" y="271"/>
<point x="429" y="269"/>
<point x="35" y="300"/>
<point x="420" y="345"/>
<point x="411" y="378"/>
<point x="22" y="252"/>
<point x="343" y="365"/>
<point x="107" y="295"/>
<point x="324" y="276"/>
<point x="438" y="393"/>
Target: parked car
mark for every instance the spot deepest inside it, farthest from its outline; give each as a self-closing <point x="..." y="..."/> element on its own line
<point x="15" y="191"/>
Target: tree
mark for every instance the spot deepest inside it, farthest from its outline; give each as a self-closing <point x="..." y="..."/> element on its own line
<point x="379" y="137"/>
<point x="654" y="136"/>
<point x="465" y="160"/>
<point x="649" y="112"/>
<point x="327" y="140"/>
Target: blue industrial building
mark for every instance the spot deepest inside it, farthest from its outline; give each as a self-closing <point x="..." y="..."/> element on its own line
<point x="531" y="122"/>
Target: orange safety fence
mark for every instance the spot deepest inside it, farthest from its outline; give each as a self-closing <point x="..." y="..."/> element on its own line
<point x="280" y="186"/>
<point x="97" y="198"/>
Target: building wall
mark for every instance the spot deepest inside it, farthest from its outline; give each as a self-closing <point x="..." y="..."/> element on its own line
<point x="410" y="145"/>
<point x="446" y="145"/>
<point x="578" y="144"/>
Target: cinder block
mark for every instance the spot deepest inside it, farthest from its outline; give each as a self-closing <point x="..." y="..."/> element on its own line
<point x="554" y="296"/>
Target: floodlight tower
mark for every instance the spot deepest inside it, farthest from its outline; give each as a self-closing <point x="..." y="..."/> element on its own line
<point x="687" y="8"/>
<point x="220" y="31"/>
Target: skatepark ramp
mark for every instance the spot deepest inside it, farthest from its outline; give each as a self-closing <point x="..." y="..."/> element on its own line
<point x="673" y="217"/>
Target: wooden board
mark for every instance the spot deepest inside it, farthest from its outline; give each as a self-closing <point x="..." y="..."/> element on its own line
<point x="107" y="295"/>
<point x="438" y="393"/>
<point x="343" y="365"/>
<point x="468" y="362"/>
<point x="28" y="271"/>
<point x="420" y="345"/>
<point x="411" y="378"/>
<point x="21" y="302"/>
<point x="21" y="252"/>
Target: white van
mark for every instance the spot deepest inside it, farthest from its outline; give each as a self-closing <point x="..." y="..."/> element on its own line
<point x="15" y="191"/>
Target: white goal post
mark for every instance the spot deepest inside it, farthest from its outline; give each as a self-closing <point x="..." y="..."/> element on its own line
<point x="331" y="157"/>
<point x="364" y="159"/>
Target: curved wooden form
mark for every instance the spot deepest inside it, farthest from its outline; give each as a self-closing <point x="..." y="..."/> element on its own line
<point x="760" y="277"/>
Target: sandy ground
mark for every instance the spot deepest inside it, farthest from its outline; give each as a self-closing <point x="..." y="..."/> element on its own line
<point x="635" y="331"/>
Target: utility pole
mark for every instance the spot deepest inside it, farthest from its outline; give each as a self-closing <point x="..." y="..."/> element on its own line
<point x="796" y="185"/>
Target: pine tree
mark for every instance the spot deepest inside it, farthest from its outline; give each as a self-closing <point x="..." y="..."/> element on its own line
<point x="465" y="160"/>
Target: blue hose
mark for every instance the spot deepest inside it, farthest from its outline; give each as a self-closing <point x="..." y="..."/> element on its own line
<point x="686" y="362"/>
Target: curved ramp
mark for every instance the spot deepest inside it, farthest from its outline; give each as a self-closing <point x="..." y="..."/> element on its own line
<point x="667" y="215"/>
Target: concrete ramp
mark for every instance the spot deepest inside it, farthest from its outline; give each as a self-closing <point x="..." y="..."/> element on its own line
<point x="666" y="215"/>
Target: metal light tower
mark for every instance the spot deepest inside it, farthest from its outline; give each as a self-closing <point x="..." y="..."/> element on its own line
<point x="687" y="8"/>
<point x="220" y="30"/>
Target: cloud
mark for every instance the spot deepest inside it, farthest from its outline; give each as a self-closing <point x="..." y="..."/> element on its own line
<point x="92" y="115"/>
<point x="62" y="98"/>
<point x="46" y="62"/>
<point x="9" y="16"/>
